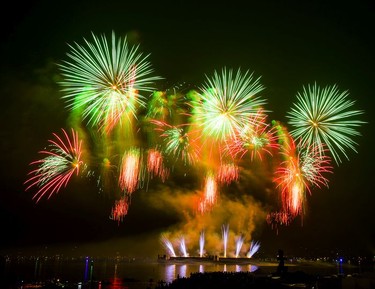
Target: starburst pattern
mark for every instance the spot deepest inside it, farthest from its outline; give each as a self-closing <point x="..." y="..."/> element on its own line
<point x="104" y="80"/>
<point x="324" y="116"/>
<point x="62" y="159"/>
<point x="227" y="101"/>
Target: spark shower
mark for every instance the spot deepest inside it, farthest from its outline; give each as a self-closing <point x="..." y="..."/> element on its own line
<point x="219" y="129"/>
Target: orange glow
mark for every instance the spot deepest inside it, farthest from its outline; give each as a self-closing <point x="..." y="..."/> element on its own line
<point x="227" y="173"/>
<point x="129" y="171"/>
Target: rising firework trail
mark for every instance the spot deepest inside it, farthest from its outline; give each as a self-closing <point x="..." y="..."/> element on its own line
<point x="254" y="248"/>
<point x="239" y="243"/>
<point x="201" y="244"/>
<point x="168" y="246"/>
<point x="183" y="249"/>
<point x="324" y="117"/>
<point x="62" y="159"/>
<point x="225" y="234"/>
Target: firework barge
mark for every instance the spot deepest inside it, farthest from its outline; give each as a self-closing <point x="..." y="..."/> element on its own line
<point x="206" y="259"/>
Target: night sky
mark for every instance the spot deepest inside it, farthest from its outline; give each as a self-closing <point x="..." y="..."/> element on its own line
<point x="288" y="44"/>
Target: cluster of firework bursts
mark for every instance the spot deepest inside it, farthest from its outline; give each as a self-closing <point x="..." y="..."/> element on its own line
<point x="237" y="252"/>
<point x="140" y="133"/>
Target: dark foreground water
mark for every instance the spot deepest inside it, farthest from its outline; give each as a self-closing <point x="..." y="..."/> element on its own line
<point x="121" y="273"/>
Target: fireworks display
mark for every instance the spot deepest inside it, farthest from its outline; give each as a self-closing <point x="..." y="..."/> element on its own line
<point x="62" y="159"/>
<point x="239" y="243"/>
<point x="225" y="234"/>
<point x="218" y="133"/>
<point x="103" y="80"/>
<point x="254" y="248"/>
<point x="226" y="102"/>
<point x="323" y="117"/>
<point x="223" y="251"/>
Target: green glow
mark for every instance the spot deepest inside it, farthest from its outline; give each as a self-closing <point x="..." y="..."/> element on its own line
<point x="227" y="101"/>
<point x="106" y="80"/>
<point x="322" y="116"/>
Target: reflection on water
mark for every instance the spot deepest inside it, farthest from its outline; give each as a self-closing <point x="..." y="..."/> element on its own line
<point x="173" y="271"/>
<point x="120" y="274"/>
<point x="170" y="273"/>
<point x="252" y="268"/>
<point x="182" y="271"/>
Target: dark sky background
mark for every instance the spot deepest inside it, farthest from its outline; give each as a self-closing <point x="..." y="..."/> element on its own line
<point x="290" y="44"/>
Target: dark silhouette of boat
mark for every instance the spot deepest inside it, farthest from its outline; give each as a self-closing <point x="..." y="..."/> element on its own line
<point x="211" y="259"/>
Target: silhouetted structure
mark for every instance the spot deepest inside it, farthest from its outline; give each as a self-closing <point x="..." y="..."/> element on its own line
<point x="281" y="267"/>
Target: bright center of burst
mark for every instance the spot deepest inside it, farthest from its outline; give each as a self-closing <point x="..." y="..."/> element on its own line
<point x="75" y="164"/>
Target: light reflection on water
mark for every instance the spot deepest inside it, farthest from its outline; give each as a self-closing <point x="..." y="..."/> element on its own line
<point x="173" y="271"/>
<point x="170" y="273"/>
<point x="115" y="273"/>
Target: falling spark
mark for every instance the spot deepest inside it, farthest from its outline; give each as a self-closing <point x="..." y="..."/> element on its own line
<point x="130" y="170"/>
<point x="228" y="173"/>
<point x="120" y="209"/>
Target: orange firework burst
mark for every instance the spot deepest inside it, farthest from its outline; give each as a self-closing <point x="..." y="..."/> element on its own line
<point x="210" y="193"/>
<point x="130" y="170"/>
<point x="290" y="180"/>
<point x="276" y="219"/>
<point x="155" y="164"/>
<point x="227" y="173"/>
<point x="301" y="168"/>
<point x="256" y="137"/>
<point x="120" y="209"/>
